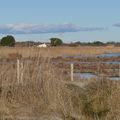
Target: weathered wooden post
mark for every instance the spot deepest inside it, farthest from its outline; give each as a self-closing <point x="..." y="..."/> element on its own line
<point x="18" y="71"/>
<point x="119" y="70"/>
<point x="72" y="67"/>
<point x="21" y="72"/>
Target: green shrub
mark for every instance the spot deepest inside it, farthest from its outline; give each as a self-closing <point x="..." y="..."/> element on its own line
<point x="56" y="41"/>
<point x="8" y="41"/>
<point x="98" y="43"/>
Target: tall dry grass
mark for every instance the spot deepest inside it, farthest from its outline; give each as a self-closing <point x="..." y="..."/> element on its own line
<point x="40" y="91"/>
<point x="98" y="100"/>
<point x="57" y="51"/>
<point x="43" y="92"/>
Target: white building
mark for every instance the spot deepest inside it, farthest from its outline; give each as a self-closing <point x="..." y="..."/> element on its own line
<point x="42" y="45"/>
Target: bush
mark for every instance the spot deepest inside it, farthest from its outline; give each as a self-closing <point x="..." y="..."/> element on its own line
<point x="8" y="41"/>
<point x="95" y="102"/>
<point x="56" y="41"/>
<point x="98" y="43"/>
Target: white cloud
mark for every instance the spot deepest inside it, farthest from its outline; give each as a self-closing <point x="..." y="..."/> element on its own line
<point x="40" y="29"/>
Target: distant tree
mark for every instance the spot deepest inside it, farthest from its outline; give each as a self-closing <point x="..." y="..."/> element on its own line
<point x="98" y="43"/>
<point x="8" y="41"/>
<point x="56" y="41"/>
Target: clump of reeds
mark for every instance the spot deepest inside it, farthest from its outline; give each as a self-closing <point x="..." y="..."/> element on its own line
<point x="98" y="100"/>
<point x="39" y="90"/>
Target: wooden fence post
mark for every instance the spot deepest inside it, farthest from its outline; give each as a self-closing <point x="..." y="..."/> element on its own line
<point x="72" y="67"/>
<point x="21" y="72"/>
<point x="18" y="71"/>
<point x="119" y="70"/>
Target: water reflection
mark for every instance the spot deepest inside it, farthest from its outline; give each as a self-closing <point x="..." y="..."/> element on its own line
<point x="115" y="78"/>
<point x="91" y="75"/>
<point x="106" y="55"/>
<point x="85" y="75"/>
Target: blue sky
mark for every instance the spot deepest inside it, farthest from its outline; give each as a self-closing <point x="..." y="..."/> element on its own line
<point x="71" y="20"/>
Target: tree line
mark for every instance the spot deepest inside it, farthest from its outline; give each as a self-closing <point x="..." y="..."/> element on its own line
<point x="10" y="41"/>
<point x="95" y="43"/>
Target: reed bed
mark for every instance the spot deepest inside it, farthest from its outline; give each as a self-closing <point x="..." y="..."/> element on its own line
<point x="43" y="92"/>
<point x="37" y="92"/>
<point x="57" y="51"/>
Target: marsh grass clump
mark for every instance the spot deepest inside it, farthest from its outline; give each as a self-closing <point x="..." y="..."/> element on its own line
<point x="95" y="100"/>
<point x="94" y="107"/>
<point x="40" y="90"/>
<point x="99" y="99"/>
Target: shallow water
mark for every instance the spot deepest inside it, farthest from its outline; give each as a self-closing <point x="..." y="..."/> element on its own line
<point x="108" y="55"/>
<point x="84" y="56"/>
<point x="115" y="78"/>
<point x="85" y="75"/>
<point x="106" y="62"/>
<point x="91" y="75"/>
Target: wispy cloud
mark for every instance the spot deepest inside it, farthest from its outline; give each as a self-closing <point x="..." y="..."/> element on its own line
<point x="116" y="24"/>
<point x="40" y="29"/>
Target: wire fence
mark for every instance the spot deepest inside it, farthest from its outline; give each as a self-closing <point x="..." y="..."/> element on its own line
<point x="98" y="68"/>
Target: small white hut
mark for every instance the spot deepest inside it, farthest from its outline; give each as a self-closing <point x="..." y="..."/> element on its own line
<point x="42" y="45"/>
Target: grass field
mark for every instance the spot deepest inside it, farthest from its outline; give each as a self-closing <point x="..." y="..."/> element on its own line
<point x="44" y="92"/>
<point x="58" y="51"/>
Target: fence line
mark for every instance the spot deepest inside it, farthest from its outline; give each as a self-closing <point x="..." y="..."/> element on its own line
<point x="99" y="72"/>
<point x="20" y="69"/>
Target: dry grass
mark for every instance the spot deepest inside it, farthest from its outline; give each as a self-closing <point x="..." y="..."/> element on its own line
<point x="43" y="91"/>
<point x="37" y="93"/>
<point x="57" y="51"/>
<point x="98" y="100"/>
